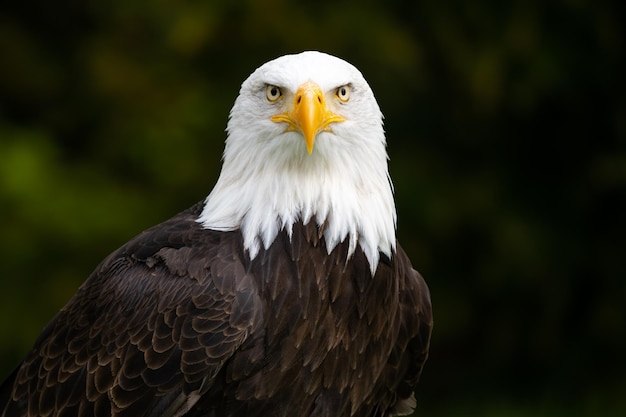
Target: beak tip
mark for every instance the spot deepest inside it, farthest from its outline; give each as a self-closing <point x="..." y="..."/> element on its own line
<point x="309" y="145"/>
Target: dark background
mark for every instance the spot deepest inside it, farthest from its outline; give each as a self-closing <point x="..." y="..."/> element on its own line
<point x="506" y="124"/>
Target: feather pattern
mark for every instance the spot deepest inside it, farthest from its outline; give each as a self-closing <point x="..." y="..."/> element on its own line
<point x="180" y="321"/>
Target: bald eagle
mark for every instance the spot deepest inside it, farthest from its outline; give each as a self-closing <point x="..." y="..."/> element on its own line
<point x="283" y="293"/>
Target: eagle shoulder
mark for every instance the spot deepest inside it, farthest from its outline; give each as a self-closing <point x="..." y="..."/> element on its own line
<point x="148" y="331"/>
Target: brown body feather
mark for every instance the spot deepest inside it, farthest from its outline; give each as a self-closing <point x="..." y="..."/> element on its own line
<point x="179" y="321"/>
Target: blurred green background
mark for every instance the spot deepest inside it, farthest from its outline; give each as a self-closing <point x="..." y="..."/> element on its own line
<point x="506" y="125"/>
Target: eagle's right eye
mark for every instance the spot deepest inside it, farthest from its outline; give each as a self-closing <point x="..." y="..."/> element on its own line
<point x="273" y="93"/>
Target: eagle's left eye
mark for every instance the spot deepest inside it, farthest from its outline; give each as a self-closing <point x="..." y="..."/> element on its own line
<point x="343" y="93"/>
<point x="273" y="93"/>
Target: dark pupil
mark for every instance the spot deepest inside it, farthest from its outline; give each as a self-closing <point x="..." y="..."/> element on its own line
<point x="274" y="91"/>
<point x="343" y="91"/>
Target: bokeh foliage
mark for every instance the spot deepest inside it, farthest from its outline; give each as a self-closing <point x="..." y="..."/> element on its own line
<point x="506" y="125"/>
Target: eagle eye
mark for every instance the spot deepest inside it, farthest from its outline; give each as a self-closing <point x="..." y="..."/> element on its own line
<point x="343" y="93"/>
<point x="273" y="93"/>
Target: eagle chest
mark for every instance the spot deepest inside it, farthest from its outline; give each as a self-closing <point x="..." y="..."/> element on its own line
<point x="329" y="326"/>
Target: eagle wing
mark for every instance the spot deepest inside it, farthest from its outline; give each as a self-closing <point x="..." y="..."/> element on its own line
<point x="147" y="333"/>
<point x="416" y="327"/>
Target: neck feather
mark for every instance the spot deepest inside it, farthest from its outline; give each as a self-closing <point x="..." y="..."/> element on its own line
<point x="349" y="192"/>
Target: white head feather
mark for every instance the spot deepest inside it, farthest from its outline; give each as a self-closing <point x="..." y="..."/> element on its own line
<point x="269" y="181"/>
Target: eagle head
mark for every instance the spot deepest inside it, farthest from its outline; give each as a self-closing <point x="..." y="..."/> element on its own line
<point x="306" y="143"/>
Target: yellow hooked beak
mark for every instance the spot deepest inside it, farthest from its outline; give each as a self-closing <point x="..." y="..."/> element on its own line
<point x="308" y="114"/>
